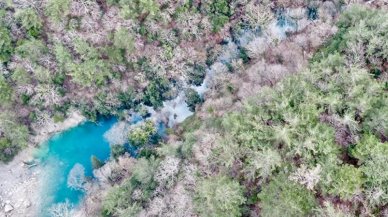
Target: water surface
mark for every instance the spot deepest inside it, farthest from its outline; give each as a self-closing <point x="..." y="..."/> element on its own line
<point x="59" y="155"/>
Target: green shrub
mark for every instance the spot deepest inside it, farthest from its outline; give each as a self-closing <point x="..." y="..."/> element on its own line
<point x="115" y="55"/>
<point x="90" y="73"/>
<point x="85" y="50"/>
<point x="116" y="151"/>
<point x="6" y="47"/>
<point x="30" y="21"/>
<point x="219" y="12"/>
<point x="139" y="9"/>
<point x="7" y="150"/>
<point x="58" y="117"/>
<point x="123" y="40"/>
<point x="219" y="196"/>
<point x="120" y="200"/>
<point x="62" y="56"/>
<point x="191" y="124"/>
<point x="218" y="21"/>
<point x="141" y="135"/>
<point x="21" y="76"/>
<point x="127" y="99"/>
<point x="89" y="112"/>
<point x="375" y="170"/>
<point x="262" y="164"/>
<point x="186" y="148"/>
<point x="281" y="197"/>
<point x="59" y="79"/>
<point x="14" y="136"/>
<point x="373" y="160"/>
<point x="154" y="94"/>
<point x="192" y="99"/>
<point x="6" y="91"/>
<point x="196" y="75"/>
<point x="32" y="49"/>
<point x="57" y="9"/>
<point x="147" y="152"/>
<point x="367" y="147"/>
<point x="96" y="163"/>
<point x="360" y="26"/>
<point x="346" y="182"/>
<point x="25" y="99"/>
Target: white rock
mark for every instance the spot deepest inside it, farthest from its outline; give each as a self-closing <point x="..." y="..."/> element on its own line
<point x="8" y="208"/>
<point x="27" y="203"/>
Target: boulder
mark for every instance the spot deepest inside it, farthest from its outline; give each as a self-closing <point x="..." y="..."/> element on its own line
<point x="27" y="203"/>
<point x="8" y="208"/>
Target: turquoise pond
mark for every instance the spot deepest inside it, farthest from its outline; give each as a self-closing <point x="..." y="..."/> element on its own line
<point x="59" y="155"/>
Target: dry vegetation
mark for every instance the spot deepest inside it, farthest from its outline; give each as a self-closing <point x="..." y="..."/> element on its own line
<point x="293" y="123"/>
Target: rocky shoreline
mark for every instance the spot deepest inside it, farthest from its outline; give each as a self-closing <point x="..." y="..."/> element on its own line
<point x="20" y="180"/>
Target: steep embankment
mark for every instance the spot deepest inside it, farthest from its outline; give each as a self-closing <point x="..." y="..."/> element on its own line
<point x="313" y="143"/>
<point x="168" y="175"/>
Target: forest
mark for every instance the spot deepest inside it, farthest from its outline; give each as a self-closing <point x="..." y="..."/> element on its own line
<point x="288" y="102"/>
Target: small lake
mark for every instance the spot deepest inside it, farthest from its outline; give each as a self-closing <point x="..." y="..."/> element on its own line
<point x="59" y="155"/>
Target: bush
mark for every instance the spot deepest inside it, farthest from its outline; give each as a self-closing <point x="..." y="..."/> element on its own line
<point x="373" y="160"/>
<point x="366" y="148"/>
<point x="6" y="91"/>
<point x="32" y="49"/>
<point x="139" y="9"/>
<point x="281" y="197"/>
<point x="187" y="147"/>
<point x="347" y="181"/>
<point x="30" y="21"/>
<point x="63" y="57"/>
<point x="219" y="12"/>
<point x="192" y="99"/>
<point x="6" y="47"/>
<point x="197" y="74"/>
<point x="57" y="9"/>
<point x="58" y="117"/>
<point x="20" y="76"/>
<point x="154" y="94"/>
<point x="90" y="73"/>
<point x="7" y="150"/>
<point x="218" y="21"/>
<point x="96" y="163"/>
<point x="262" y="164"/>
<point x="363" y="42"/>
<point x="219" y="196"/>
<point x="122" y="200"/>
<point x="14" y="132"/>
<point x="116" y="151"/>
<point x="89" y="112"/>
<point x="123" y="40"/>
<point x="141" y="135"/>
<point x="117" y="199"/>
<point x="127" y="99"/>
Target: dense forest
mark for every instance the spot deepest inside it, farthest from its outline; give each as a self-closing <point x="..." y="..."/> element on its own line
<point x="293" y="123"/>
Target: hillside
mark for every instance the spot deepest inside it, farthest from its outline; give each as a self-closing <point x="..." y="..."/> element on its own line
<point x="224" y="108"/>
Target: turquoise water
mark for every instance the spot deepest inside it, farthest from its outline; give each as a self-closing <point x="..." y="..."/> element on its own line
<point x="59" y="155"/>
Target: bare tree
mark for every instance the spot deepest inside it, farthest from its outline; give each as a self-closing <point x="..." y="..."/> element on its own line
<point x="61" y="209"/>
<point x="76" y="179"/>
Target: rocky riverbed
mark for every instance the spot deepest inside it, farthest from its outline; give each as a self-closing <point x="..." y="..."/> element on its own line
<point x="19" y="186"/>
